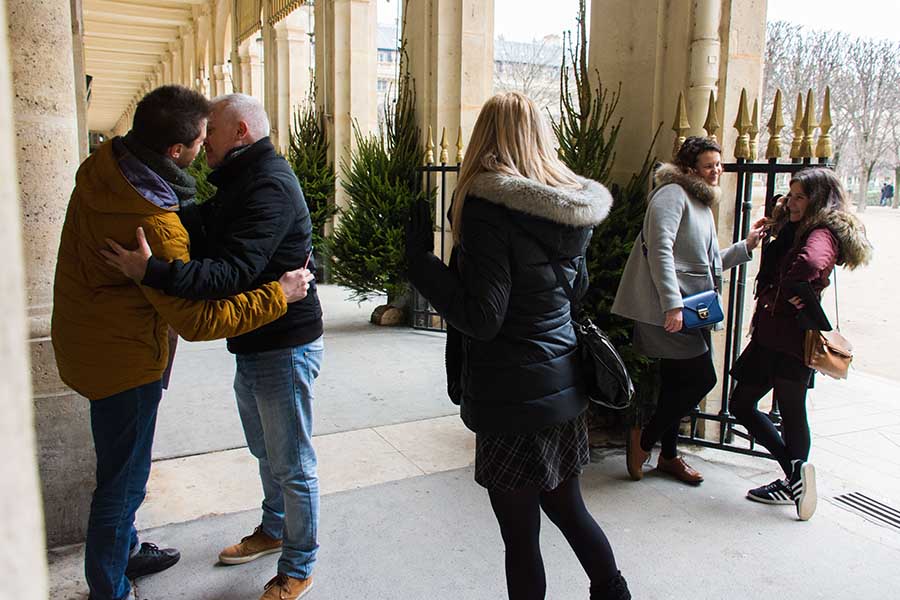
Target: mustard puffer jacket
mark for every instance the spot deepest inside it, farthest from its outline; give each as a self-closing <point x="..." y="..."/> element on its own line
<point x="109" y="333"/>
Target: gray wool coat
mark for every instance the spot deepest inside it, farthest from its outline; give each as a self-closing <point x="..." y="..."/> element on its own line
<point x="683" y="256"/>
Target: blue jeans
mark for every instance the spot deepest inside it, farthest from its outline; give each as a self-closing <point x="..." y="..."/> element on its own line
<point x="274" y="391"/>
<point x="123" y="427"/>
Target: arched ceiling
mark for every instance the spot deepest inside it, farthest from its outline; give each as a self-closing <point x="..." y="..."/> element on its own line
<point x="124" y="42"/>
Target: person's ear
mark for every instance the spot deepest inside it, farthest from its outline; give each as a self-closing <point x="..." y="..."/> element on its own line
<point x="174" y="151"/>
<point x="242" y="129"/>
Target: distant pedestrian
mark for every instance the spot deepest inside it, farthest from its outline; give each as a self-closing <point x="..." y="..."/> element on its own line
<point x="883" y="201"/>
<point x="811" y="231"/>
<point x="676" y="255"/>
<point x="518" y="212"/>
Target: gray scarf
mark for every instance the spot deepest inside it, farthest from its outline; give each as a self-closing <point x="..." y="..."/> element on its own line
<point x="184" y="186"/>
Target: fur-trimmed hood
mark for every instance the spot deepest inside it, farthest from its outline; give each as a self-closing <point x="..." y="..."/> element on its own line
<point x="692" y="185"/>
<point x="856" y="249"/>
<point x="585" y="207"/>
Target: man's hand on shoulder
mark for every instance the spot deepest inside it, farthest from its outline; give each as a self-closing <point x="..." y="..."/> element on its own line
<point x="133" y="263"/>
<point x="295" y="284"/>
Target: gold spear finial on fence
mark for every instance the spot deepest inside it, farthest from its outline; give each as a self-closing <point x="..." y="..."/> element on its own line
<point x="712" y="119"/>
<point x="444" y="155"/>
<point x="459" y="147"/>
<point x="742" y="124"/>
<point x="754" y="131"/>
<point x="681" y="124"/>
<point x="823" y="148"/>
<point x="809" y="126"/>
<point x="429" y="148"/>
<point x="774" y="127"/>
<point x="797" y="129"/>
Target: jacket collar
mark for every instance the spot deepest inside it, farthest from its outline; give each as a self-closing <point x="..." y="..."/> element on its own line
<point x="239" y="160"/>
<point x="691" y="184"/>
<point x="584" y="207"/>
<point x="856" y="250"/>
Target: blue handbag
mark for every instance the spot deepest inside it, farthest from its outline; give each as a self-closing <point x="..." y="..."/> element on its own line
<point x="702" y="310"/>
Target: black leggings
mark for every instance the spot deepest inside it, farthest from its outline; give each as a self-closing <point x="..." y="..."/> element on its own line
<point x="795" y="442"/>
<point x="519" y="516"/>
<point x="683" y="383"/>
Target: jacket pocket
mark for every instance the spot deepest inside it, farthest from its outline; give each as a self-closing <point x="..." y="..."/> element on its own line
<point x="692" y="282"/>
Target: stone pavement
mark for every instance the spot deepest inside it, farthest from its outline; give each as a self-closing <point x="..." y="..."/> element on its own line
<point x="402" y="518"/>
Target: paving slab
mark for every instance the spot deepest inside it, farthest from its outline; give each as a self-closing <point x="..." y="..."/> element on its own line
<point x="434" y="537"/>
<point x="370" y="376"/>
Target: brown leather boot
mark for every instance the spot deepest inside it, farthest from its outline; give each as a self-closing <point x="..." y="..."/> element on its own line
<point x="635" y="456"/>
<point x="680" y="470"/>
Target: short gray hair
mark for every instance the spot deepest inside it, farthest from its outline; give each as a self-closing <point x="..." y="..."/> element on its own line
<point x="245" y="108"/>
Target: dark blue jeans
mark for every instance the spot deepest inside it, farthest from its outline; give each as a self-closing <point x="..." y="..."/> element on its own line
<point x="123" y="427"/>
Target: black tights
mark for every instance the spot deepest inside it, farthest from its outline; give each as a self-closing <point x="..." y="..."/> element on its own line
<point x="791" y="395"/>
<point x="683" y="383"/>
<point x="519" y="516"/>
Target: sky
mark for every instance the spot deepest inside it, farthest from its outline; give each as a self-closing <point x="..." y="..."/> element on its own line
<point x="524" y="20"/>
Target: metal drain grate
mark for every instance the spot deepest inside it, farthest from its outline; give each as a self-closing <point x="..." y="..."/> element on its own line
<point x="870" y="508"/>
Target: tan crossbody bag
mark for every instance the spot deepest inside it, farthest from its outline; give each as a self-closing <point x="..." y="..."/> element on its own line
<point x="829" y="352"/>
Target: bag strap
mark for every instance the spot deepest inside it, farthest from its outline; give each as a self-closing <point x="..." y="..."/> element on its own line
<point x="837" y="314"/>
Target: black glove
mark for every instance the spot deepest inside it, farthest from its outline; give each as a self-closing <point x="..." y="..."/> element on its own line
<point x="419" y="231"/>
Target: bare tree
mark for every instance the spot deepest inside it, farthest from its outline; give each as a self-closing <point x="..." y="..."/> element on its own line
<point x="798" y="60"/>
<point x="872" y="76"/>
<point x="864" y="77"/>
<point x="531" y="68"/>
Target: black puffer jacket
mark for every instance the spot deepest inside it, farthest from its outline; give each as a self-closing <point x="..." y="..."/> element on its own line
<point x="519" y="366"/>
<point x="255" y="228"/>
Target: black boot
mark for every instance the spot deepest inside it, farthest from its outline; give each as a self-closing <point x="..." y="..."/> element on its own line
<point x="150" y="559"/>
<point x="615" y="589"/>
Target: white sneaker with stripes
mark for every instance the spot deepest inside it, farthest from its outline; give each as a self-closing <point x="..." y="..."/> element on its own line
<point x="776" y="492"/>
<point x="803" y="488"/>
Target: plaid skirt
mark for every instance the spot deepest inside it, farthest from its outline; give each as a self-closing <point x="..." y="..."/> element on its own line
<point x="543" y="460"/>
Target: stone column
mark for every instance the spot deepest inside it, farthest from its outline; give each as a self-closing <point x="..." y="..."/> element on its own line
<point x="218" y="80"/>
<point x="167" y="70"/>
<point x="24" y="570"/>
<point x="251" y="69"/>
<point x="188" y="64"/>
<point x="46" y="130"/>
<point x="346" y="74"/>
<point x="451" y="55"/>
<point x="292" y="43"/>
<point x="270" y="74"/>
<point x="80" y="78"/>
<point x="177" y="68"/>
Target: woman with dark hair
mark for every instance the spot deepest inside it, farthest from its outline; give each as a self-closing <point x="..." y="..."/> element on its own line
<point x="520" y="216"/>
<point x="810" y="232"/>
<point x="676" y="255"/>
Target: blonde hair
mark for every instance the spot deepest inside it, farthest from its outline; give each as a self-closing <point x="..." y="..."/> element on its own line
<point x="510" y="137"/>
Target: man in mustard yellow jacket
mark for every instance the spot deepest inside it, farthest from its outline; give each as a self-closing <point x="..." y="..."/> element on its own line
<point x="110" y="333"/>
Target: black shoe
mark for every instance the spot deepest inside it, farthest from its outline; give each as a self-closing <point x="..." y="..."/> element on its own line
<point x="776" y="492"/>
<point x="616" y="589"/>
<point x="803" y="488"/>
<point x="150" y="559"/>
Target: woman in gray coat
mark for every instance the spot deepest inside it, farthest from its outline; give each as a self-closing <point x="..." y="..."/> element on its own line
<point x="676" y="255"/>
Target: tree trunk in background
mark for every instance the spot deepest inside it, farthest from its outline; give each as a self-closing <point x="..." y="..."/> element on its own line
<point x="863" y="189"/>
<point x="895" y="201"/>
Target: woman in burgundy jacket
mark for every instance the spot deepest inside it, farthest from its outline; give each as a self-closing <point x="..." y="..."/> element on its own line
<point x="811" y="232"/>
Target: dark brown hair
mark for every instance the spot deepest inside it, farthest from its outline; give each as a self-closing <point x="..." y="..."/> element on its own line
<point x="169" y="115"/>
<point x="691" y="149"/>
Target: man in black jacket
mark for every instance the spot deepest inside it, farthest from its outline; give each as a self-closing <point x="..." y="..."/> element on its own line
<point x="255" y="228"/>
